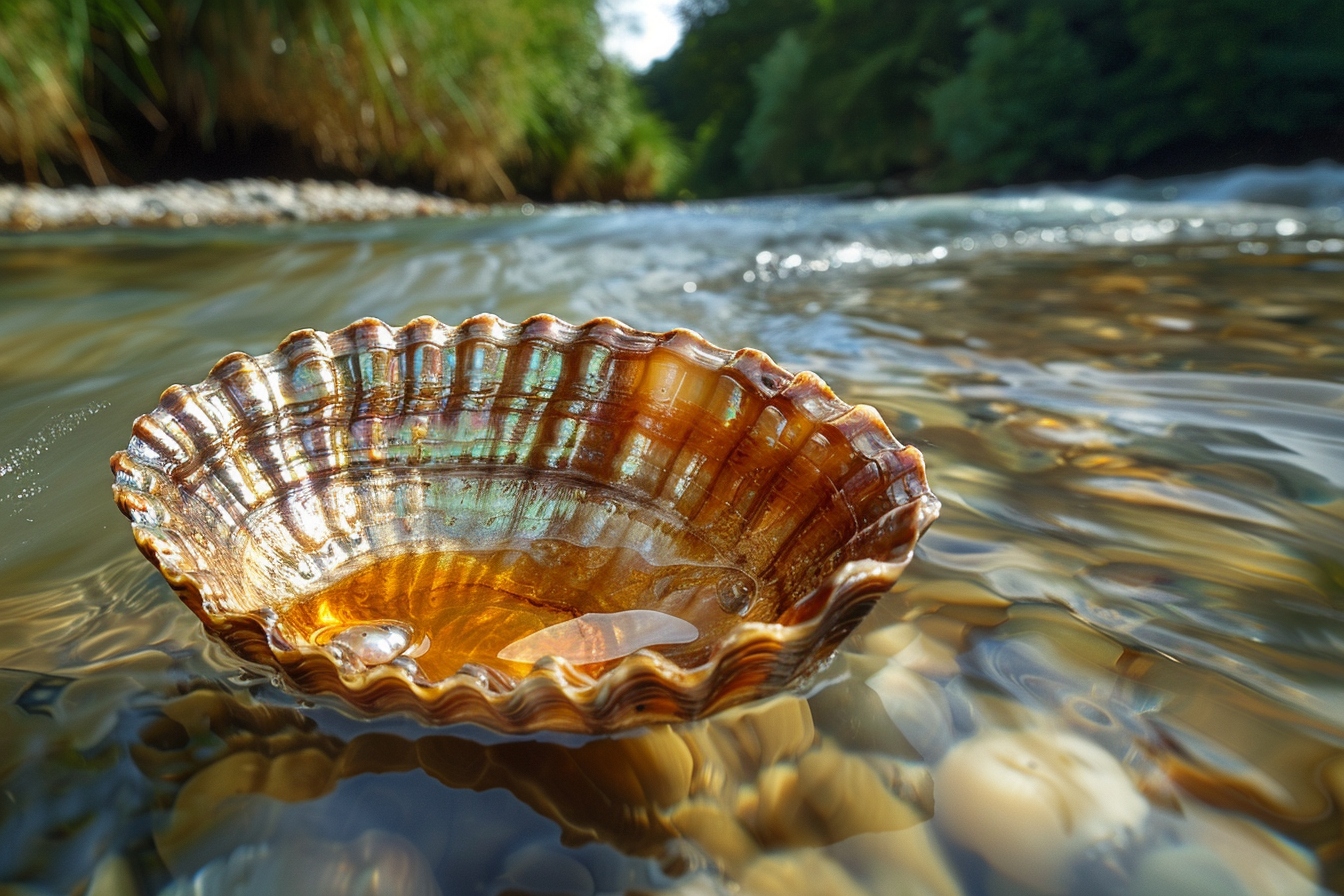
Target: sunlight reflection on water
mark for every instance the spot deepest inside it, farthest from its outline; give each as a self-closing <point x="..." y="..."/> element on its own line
<point x="1131" y="613"/>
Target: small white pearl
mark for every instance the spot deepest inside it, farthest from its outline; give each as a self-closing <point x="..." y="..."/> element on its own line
<point x="373" y="645"/>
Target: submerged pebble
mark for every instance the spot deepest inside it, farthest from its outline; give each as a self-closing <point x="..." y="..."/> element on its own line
<point x="1189" y="870"/>
<point x="377" y="863"/>
<point x="1031" y="803"/>
<point x="917" y="707"/>
<point x="544" y="868"/>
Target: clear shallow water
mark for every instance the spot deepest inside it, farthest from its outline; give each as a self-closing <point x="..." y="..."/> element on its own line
<point x="1116" y="666"/>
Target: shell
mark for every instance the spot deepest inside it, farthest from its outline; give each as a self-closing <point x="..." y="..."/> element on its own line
<point x="533" y="526"/>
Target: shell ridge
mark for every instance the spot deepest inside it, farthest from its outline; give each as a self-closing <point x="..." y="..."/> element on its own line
<point x="775" y="528"/>
<point x="625" y="338"/>
<point x="308" y="363"/>
<point x="863" y="427"/>
<point x="822" y="558"/>
<point x="766" y="479"/>
<point x="420" y="392"/>
<point x="692" y="349"/>
<point x="679" y="449"/>
<point x="159" y="439"/>
<point x="563" y="406"/>
<point x="234" y="381"/>
<point x="277" y="371"/>
<point x="548" y="420"/>
<point x="525" y="399"/>
<point x="919" y="511"/>
<point x="307" y="384"/>
<point x="695" y="349"/>
<point x="545" y="328"/>
<point x="638" y="440"/>
<point x="777" y="515"/>
<point x="784" y="506"/>
<point x="599" y="443"/>
<point x="226" y="361"/>
<point x="746" y="475"/>
<point x="298" y="336"/>
<point x="722" y="411"/>
<point x="226" y="484"/>
<point x="172" y="441"/>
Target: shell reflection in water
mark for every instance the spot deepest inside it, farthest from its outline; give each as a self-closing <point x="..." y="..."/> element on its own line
<point x="533" y="526"/>
<point x="753" y="791"/>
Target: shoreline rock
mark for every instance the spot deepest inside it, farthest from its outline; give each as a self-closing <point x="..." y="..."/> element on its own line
<point x="188" y="203"/>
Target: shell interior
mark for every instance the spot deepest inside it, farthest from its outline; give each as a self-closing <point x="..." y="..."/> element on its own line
<point x="523" y="525"/>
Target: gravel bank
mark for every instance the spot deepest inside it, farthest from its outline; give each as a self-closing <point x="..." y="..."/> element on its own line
<point x="196" y="204"/>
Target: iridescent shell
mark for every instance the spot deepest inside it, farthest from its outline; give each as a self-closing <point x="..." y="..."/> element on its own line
<point x="540" y="526"/>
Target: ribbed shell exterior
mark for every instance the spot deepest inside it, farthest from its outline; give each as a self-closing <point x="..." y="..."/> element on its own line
<point x="278" y="473"/>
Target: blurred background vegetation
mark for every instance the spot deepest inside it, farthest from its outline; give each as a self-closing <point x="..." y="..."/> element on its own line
<point x="478" y="98"/>
<point x="942" y="94"/>
<point x="489" y="99"/>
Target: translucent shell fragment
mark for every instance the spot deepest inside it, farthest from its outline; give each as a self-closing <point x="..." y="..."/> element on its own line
<point x="533" y="526"/>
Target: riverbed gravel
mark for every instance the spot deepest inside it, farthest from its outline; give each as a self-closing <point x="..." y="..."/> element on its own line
<point x="196" y="204"/>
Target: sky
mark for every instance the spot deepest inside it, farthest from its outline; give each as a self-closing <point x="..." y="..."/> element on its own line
<point x="640" y="31"/>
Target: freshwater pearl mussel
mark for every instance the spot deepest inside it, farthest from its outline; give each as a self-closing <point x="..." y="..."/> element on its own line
<point x="532" y="526"/>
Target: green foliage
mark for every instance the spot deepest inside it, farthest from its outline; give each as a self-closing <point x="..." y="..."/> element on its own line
<point x="704" y="89"/>
<point x="841" y="99"/>
<point x="774" y="94"/>
<point x="1022" y="104"/>
<point x="475" y="98"/>
<point x="1091" y="86"/>
<point x="46" y="50"/>
<point x="780" y="93"/>
<point x="484" y="99"/>
<point x="777" y="80"/>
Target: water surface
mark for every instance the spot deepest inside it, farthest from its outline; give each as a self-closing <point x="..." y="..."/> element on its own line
<point x="1116" y="665"/>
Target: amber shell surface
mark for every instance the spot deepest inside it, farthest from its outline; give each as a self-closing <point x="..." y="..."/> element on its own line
<point x="379" y="513"/>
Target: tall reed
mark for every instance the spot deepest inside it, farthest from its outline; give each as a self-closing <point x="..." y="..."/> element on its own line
<point x="480" y="99"/>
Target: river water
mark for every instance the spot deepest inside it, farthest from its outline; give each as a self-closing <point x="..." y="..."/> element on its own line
<point x="1115" y="666"/>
